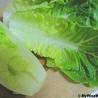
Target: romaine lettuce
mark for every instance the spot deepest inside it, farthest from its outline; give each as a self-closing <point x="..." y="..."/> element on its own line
<point x="20" y="71"/>
<point x="66" y="32"/>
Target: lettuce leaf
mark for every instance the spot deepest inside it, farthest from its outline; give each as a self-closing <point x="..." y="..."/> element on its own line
<point x="64" y="31"/>
<point x="70" y="47"/>
<point x="20" y="71"/>
<point x="82" y="12"/>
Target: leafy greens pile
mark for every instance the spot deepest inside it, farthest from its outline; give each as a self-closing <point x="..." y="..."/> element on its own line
<point x="63" y="31"/>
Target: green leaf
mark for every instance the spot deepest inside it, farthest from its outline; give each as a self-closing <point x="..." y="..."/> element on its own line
<point x="82" y="11"/>
<point x="20" y="71"/>
<point x="65" y="31"/>
<point x="72" y="48"/>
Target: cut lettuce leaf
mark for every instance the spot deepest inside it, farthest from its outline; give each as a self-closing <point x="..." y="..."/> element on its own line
<point x="72" y="48"/>
<point x="65" y="31"/>
<point x="20" y="71"/>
